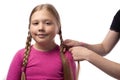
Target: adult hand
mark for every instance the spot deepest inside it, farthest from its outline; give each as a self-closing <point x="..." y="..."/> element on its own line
<point x="80" y="53"/>
<point x="71" y="43"/>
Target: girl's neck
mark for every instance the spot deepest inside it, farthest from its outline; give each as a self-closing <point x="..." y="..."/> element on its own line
<point x="46" y="47"/>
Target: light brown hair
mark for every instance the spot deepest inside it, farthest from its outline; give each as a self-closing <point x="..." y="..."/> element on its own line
<point x="66" y="68"/>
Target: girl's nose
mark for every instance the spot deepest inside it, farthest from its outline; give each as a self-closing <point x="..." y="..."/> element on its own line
<point x="41" y="27"/>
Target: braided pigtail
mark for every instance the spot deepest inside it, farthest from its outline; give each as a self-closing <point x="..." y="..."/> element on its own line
<point x="26" y="55"/>
<point x="66" y="68"/>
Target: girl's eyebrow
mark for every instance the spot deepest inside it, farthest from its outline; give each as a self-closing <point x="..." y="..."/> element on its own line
<point x="42" y="20"/>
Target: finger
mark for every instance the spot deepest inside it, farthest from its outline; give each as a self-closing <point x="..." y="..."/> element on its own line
<point x="75" y="58"/>
<point x="70" y="49"/>
<point x="66" y="41"/>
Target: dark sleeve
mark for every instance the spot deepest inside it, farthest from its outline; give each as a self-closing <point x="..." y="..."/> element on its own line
<point x="116" y="22"/>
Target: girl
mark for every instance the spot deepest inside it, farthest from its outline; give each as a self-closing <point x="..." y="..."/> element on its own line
<point x="44" y="60"/>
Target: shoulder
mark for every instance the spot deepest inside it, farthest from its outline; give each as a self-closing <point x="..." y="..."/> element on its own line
<point x="68" y="55"/>
<point x="116" y="22"/>
<point x="20" y="51"/>
<point x="17" y="58"/>
<point x="118" y="13"/>
<point x="19" y="54"/>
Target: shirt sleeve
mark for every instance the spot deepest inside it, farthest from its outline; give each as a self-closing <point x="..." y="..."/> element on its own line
<point x="116" y="22"/>
<point x="14" y="72"/>
<point x="71" y="63"/>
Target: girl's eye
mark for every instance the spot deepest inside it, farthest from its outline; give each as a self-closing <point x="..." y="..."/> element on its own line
<point x="48" y="23"/>
<point x="35" y="23"/>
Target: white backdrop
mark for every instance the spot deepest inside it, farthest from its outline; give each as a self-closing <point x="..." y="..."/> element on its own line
<point x="82" y="20"/>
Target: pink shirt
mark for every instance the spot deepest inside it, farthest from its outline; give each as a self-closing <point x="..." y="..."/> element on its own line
<point x="40" y="66"/>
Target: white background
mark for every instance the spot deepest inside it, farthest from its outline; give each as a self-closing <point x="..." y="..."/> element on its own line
<point x="82" y="20"/>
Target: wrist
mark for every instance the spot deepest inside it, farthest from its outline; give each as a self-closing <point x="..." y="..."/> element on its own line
<point x="91" y="56"/>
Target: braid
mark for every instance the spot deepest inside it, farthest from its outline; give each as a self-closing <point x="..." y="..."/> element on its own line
<point x="27" y="50"/>
<point x="66" y="67"/>
<point x="26" y="54"/>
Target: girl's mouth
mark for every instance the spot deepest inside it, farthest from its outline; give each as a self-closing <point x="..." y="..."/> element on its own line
<point x="41" y="35"/>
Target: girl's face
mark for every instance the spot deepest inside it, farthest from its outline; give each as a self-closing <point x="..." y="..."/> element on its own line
<point x="43" y="27"/>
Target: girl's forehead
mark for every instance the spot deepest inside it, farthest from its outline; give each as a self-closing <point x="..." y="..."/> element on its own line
<point x="43" y="14"/>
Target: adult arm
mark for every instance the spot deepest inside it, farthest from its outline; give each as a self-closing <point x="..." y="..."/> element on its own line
<point x="109" y="67"/>
<point x="102" y="48"/>
<point x="106" y="45"/>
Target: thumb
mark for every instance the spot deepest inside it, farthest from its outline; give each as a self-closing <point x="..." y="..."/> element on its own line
<point x="70" y="49"/>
